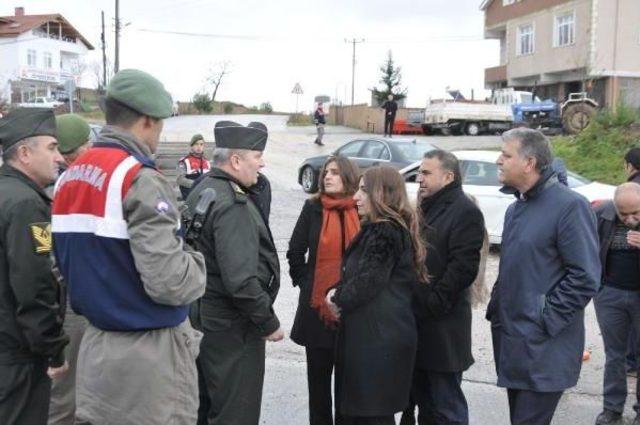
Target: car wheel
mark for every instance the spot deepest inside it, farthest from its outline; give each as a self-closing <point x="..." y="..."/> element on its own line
<point x="473" y="129"/>
<point x="309" y="180"/>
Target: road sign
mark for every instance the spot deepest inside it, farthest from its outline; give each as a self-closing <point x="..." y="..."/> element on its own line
<point x="297" y="89"/>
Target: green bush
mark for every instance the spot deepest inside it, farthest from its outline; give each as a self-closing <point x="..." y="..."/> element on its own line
<point x="598" y="152"/>
<point x="266" y="108"/>
<point x="227" y="108"/>
<point x="202" y="102"/>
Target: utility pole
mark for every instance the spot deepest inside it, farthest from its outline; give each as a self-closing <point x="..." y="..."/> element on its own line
<point x="104" y="56"/>
<point x="353" y="65"/>
<point x="116" y="64"/>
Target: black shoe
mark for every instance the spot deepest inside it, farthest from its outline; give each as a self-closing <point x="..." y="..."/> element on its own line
<point x="609" y="417"/>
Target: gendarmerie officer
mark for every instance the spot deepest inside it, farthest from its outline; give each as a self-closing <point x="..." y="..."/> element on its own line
<point x="243" y="277"/>
<point x="31" y="337"/>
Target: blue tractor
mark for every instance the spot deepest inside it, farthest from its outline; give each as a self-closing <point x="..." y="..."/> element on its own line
<point x="573" y="115"/>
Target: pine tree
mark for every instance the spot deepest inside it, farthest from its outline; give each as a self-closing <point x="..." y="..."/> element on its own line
<point x="391" y="80"/>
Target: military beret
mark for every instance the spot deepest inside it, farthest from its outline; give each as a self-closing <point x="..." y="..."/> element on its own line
<point x="232" y="135"/>
<point x="141" y="92"/>
<point x="72" y="132"/>
<point x="195" y="138"/>
<point x="26" y="122"/>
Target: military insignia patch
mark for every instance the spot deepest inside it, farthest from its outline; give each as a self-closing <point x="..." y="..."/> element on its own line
<point x="237" y="189"/>
<point x="41" y="234"/>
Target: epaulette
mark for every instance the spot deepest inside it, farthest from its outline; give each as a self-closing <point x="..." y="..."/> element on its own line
<point x="241" y="195"/>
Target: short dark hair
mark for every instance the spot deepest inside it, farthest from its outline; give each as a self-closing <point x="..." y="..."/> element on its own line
<point x="11" y="153"/>
<point x="119" y="114"/>
<point x="448" y="161"/>
<point x="633" y="157"/>
<point x="533" y="144"/>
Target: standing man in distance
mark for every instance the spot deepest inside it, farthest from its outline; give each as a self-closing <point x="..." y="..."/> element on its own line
<point x="549" y="271"/>
<point x="32" y="340"/>
<point x="243" y="278"/>
<point x="319" y="121"/>
<point x="390" y="108"/>
<point x="115" y="226"/>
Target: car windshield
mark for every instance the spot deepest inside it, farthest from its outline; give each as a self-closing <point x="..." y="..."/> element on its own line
<point x="413" y="151"/>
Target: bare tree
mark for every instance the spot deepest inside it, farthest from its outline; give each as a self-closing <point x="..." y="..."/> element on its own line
<point x="216" y="74"/>
<point x="95" y="70"/>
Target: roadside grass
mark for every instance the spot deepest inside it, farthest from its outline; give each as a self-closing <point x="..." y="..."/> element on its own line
<point x="598" y="152"/>
<point x="300" y="120"/>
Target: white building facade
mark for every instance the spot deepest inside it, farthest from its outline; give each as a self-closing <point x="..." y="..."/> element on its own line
<point x="38" y="54"/>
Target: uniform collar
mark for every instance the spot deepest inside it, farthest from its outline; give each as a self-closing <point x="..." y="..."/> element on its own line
<point x="127" y="139"/>
<point x="221" y="174"/>
<point x="9" y="171"/>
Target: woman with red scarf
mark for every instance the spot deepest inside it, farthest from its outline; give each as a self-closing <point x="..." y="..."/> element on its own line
<point x="327" y="224"/>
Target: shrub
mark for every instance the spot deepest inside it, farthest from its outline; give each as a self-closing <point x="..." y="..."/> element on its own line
<point x="202" y="102"/>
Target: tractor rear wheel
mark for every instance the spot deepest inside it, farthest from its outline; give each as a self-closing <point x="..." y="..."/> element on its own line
<point x="577" y="117"/>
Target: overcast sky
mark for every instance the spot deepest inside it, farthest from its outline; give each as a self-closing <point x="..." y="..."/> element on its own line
<point x="271" y="45"/>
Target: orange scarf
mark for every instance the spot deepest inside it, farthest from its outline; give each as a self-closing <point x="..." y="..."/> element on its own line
<point x="331" y="246"/>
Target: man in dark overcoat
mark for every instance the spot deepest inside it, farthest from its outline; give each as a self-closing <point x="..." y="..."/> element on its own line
<point x="549" y="271"/>
<point x="453" y="228"/>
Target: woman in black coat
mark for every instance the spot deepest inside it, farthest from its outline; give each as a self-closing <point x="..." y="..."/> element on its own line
<point x="326" y="226"/>
<point x="377" y="338"/>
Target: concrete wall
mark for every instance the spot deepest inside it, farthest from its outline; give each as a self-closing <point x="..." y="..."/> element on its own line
<point x="617" y="44"/>
<point x="364" y="117"/>
<point x="547" y="58"/>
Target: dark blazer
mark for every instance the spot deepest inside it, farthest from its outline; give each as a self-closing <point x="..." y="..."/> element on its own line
<point x="308" y="329"/>
<point x="607" y="217"/>
<point x="454" y="232"/>
<point x="377" y="337"/>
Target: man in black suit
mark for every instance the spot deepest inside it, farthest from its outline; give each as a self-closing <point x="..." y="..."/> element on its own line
<point x="453" y="227"/>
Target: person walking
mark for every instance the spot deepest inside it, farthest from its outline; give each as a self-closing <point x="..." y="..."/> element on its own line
<point x="453" y="229"/>
<point x="73" y="135"/>
<point x="325" y="228"/>
<point x="192" y="166"/>
<point x="32" y="338"/>
<point x="549" y="271"/>
<point x="319" y="121"/>
<point x="377" y="337"/>
<point x="115" y="227"/>
<point x="390" y="107"/>
<point x="618" y="301"/>
<point x="243" y="278"/>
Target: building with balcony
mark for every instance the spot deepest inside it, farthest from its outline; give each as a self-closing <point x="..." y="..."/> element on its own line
<point x="38" y="54"/>
<point x="565" y="46"/>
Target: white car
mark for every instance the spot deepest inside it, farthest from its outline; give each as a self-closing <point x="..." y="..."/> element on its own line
<point x="480" y="179"/>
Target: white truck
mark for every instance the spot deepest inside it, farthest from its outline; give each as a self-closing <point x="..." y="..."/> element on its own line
<point x="40" y="102"/>
<point x="457" y="115"/>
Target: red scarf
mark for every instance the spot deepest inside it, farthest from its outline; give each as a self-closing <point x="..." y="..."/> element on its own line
<point x="330" y="249"/>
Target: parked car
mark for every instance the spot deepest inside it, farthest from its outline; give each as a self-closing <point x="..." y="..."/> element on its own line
<point x="40" y="102"/>
<point x="366" y="153"/>
<point x="480" y="179"/>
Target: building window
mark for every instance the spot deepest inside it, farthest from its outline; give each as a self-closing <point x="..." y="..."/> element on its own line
<point x="525" y="43"/>
<point x="565" y="30"/>
<point x="48" y="60"/>
<point x="31" y="58"/>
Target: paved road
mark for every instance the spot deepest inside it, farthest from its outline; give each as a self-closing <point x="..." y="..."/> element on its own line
<point x="285" y="395"/>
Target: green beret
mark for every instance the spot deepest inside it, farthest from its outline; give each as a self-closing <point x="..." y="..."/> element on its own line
<point x="231" y="135"/>
<point x="195" y="138"/>
<point x="141" y="92"/>
<point x="26" y="122"/>
<point x="72" y="132"/>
